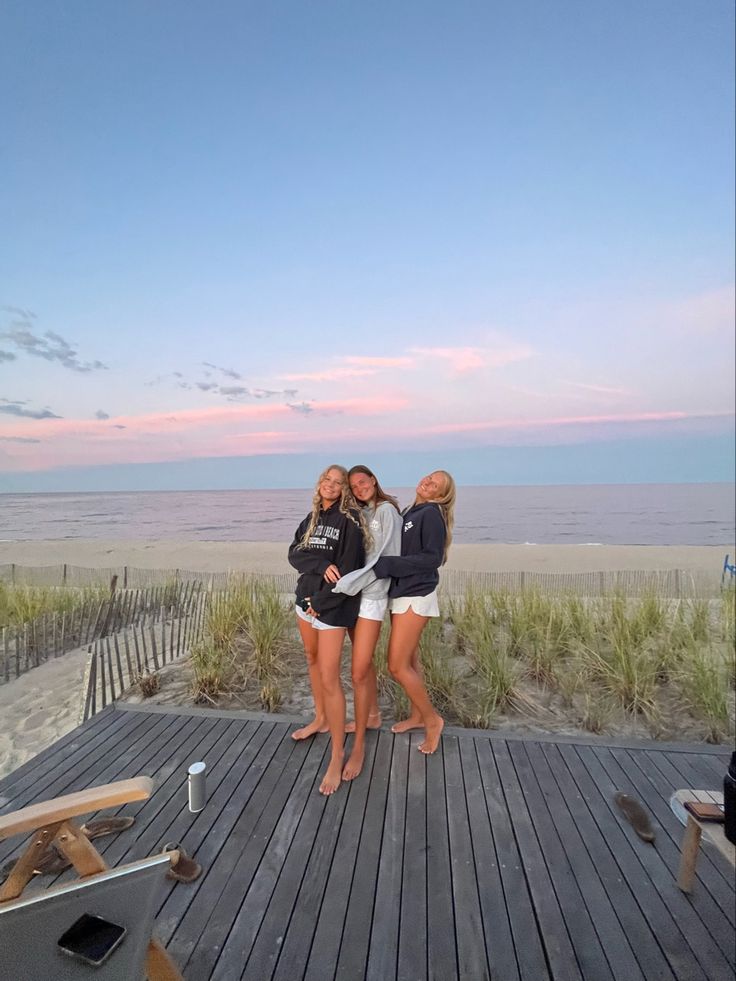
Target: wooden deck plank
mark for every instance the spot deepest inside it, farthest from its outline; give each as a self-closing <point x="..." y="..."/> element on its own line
<point x="384" y="938"/>
<point x="226" y="810"/>
<point x="441" y="924"/>
<point x="676" y="781"/>
<point x="621" y="962"/>
<point x="300" y="831"/>
<point x="558" y="946"/>
<point x="104" y="765"/>
<point x="323" y="894"/>
<point x="21" y="790"/>
<point x="351" y="948"/>
<point x="582" y="800"/>
<point x="412" y="953"/>
<point x="494" y="858"/>
<point x="633" y="859"/>
<point x="226" y="881"/>
<point x="707" y="952"/>
<point x="470" y="940"/>
<point x="530" y="956"/>
<point x="499" y="942"/>
<point x="669" y="843"/>
<point x="567" y="885"/>
<point x="45" y="761"/>
<point x="170" y="796"/>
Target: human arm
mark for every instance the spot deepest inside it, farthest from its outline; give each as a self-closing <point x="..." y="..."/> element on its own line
<point x="386" y="540"/>
<point x="302" y="559"/>
<point x="426" y="557"/>
<point x="349" y="555"/>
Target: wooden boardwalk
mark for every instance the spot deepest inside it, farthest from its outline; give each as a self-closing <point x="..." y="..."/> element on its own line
<point x="498" y="858"/>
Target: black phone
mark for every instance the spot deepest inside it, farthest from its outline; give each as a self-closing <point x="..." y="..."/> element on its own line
<point x="91" y="939"/>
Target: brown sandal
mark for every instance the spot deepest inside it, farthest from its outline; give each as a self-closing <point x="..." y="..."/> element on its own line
<point x="635" y="815"/>
<point x="183" y="868"/>
<point x="107" y="826"/>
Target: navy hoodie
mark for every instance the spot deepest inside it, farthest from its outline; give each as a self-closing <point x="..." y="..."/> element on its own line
<point x="416" y="571"/>
<point x="337" y="540"/>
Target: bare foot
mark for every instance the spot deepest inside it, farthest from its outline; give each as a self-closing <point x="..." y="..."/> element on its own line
<point x="332" y="779"/>
<point x="354" y="765"/>
<point x="432" y="733"/>
<point x="413" y="722"/>
<point x="374" y="722"/>
<point x="306" y="731"/>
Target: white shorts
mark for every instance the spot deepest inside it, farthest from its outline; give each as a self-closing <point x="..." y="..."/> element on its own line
<point x="314" y="621"/>
<point x="423" y="606"/>
<point x="373" y="609"/>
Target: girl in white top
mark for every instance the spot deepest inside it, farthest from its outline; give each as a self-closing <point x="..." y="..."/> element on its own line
<point x="384" y="522"/>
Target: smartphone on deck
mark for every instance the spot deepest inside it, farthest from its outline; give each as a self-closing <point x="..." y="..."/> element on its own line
<point x="91" y="939"/>
<point x="705" y="812"/>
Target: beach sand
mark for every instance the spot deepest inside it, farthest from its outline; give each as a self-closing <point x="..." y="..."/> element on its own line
<point x="43" y="704"/>
<point x="270" y="557"/>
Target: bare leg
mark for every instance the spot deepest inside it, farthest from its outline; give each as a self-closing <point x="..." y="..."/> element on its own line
<point x="406" y="629"/>
<point x="365" y="638"/>
<point x="374" y="712"/>
<point x="415" y="717"/>
<point x="319" y="723"/>
<point x="328" y="657"/>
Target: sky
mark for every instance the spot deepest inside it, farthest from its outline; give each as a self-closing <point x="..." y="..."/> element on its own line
<point x="241" y="241"/>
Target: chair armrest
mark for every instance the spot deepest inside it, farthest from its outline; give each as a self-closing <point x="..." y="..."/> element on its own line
<point x="72" y="805"/>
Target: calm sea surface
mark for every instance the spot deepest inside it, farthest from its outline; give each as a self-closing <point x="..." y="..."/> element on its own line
<point x="620" y="514"/>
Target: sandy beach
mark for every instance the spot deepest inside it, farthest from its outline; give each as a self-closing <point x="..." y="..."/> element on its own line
<point x="270" y="557"/>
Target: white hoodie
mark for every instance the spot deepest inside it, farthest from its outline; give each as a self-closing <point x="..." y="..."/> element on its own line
<point x="385" y="525"/>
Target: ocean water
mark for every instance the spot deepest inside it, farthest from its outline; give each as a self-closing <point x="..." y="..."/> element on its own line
<point x="620" y="514"/>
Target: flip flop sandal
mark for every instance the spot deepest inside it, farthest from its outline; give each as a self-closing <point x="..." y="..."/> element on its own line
<point x="106" y="826"/>
<point x="183" y="868"/>
<point x="52" y="862"/>
<point x="635" y="815"/>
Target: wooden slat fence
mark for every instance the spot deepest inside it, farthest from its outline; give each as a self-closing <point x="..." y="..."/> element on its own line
<point x="669" y="583"/>
<point x="117" y="660"/>
<point x="52" y="635"/>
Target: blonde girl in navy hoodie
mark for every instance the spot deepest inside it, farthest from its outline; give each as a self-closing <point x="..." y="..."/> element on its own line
<point x="329" y="542"/>
<point x="425" y="539"/>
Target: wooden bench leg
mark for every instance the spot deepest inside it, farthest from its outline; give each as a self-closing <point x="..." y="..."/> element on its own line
<point x="690" y="848"/>
<point x="159" y="966"/>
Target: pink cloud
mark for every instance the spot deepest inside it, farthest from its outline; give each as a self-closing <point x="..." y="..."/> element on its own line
<point x="466" y="359"/>
<point x="625" y="417"/>
<point x="330" y="374"/>
<point x="379" y="362"/>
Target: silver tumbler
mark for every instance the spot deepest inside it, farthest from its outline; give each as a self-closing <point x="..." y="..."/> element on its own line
<point x="197" y="786"/>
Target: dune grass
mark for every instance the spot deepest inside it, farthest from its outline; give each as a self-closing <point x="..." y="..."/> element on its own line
<point x="21" y="604"/>
<point x="595" y="664"/>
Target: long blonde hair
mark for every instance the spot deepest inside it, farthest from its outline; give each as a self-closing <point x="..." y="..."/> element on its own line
<point x="348" y="507"/>
<point x="446" y="504"/>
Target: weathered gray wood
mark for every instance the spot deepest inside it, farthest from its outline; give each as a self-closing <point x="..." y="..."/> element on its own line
<point x="506" y="834"/>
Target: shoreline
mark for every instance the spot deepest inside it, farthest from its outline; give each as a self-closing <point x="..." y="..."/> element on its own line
<point x="271" y="557"/>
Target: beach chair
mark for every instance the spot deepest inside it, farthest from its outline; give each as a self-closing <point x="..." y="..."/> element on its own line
<point x="103" y="920"/>
<point x="729" y="569"/>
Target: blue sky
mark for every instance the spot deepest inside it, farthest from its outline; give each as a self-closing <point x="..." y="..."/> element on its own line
<point x="500" y="235"/>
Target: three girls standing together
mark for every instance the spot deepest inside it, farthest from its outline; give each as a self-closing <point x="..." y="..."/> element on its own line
<point x="357" y="555"/>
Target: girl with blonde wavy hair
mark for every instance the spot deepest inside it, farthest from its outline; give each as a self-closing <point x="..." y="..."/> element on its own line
<point x="425" y="539"/>
<point x="328" y="543"/>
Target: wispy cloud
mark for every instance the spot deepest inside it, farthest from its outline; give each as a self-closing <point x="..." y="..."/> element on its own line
<point x="101" y="414"/>
<point x="50" y="346"/>
<point x="18" y="439"/>
<point x="228" y="372"/>
<point x="598" y="389"/>
<point x="331" y="374"/>
<point x="466" y="359"/>
<point x="16" y="409"/>
<point x="7" y="356"/>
